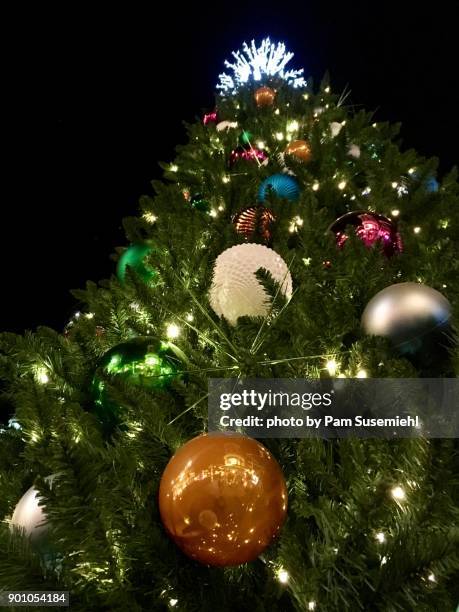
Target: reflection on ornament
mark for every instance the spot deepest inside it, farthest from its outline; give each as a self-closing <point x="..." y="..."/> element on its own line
<point x="236" y="291"/>
<point x="282" y="185"/>
<point x="222" y="499"/>
<point x="247" y="155"/>
<point x="144" y="362"/>
<point x="335" y="128"/>
<point x="210" y="118"/>
<point x="29" y="516"/>
<point x="409" y="314"/>
<point x="299" y="149"/>
<point x="134" y="257"/>
<point x="254" y="220"/>
<point x="371" y="228"/>
<point x="264" y="96"/>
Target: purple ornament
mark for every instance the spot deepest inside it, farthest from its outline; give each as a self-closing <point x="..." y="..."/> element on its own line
<point x="370" y="228"/>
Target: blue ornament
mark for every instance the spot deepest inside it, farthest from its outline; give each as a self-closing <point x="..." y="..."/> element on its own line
<point x="432" y="184"/>
<point x="282" y="185"/>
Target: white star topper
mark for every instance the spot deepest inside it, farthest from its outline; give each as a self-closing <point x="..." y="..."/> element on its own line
<point x="255" y="62"/>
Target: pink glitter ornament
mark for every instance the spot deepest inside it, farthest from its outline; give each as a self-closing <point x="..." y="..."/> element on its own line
<point x="247" y="155"/>
<point x="370" y="228"/>
<point x="210" y="118"/>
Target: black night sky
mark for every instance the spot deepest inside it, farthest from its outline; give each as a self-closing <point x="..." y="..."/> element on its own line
<point x="95" y="101"/>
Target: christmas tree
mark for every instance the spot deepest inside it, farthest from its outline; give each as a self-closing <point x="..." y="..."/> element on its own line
<point x="262" y="254"/>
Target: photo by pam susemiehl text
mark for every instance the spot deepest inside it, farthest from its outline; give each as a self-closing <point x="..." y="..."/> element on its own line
<point x="335" y="407"/>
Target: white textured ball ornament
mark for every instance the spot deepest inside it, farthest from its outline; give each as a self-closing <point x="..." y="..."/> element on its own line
<point x="236" y="291"/>
<point x="335" y="128"/>
<point x="29" y="516"/>
<point x="226" y="125"/>
<point x="354" y="151"/>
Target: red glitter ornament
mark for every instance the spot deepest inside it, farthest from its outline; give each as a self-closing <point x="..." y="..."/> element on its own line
<point x="247" y="155"/>
<point x="370" y="228"/>
<point x="252" y="221"/>
<point x="210" y="118"/>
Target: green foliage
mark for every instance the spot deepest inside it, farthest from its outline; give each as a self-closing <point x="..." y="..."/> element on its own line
<point x="112" y="552"/>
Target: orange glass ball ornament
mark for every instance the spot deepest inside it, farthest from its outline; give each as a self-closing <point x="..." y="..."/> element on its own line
<point x="265" y="96"/>
<point x="299" y="149"/>
<point x="222" y="499"/>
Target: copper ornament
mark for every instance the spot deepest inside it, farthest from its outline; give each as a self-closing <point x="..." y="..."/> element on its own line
<point x="253" y="221"/>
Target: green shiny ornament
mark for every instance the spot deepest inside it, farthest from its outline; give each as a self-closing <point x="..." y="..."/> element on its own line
<point x="197" y="201"/>
<point x="245" y="138"/>
<point x="134" y="257"/>
<point x="143" y="362"/>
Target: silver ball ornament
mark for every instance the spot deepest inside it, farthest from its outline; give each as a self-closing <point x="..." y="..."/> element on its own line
<point x="409" y="314"/>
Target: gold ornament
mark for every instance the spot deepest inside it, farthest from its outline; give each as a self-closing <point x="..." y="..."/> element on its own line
<point x="299" y="149"/>
<point x="265" y="96"/>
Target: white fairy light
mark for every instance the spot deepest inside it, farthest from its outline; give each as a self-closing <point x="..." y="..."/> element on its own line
<point x="312" y="605"/>
<point x="173" y="331"/>
<point x="277" y="111"/>
<point x="417" y="229"/>
<point x="306" y="96"/>
<point x="327" y="89"/>
<point x="395" y="212"/>
<point x="292" y="126"/>
<point x="384" y="560"/>
<point x="394" y="185"/>
<point x="315" y="186"/>
<point x="331" y="366"/>
<point x="173" y="168"/>
<point x="431" y="578"/>
<point x="282" y="575"/>
<point x="254" y="63"/>
<point x="380" y="537"/>
<point x="173" y="602"/>
<point x="341" y="185"/>
<point x="398" y="493"/>
<point x="366" y="191"/>
<point x="411" y="170"/>
<point x="189" y="317"/>
<point x="374" y="125"/>
<point x="226" y="179"/>
<point x="261" y="145"/>
<point x="41" y="376"/>
<point x="149" y="217"/>
<point x="213" y="212"/>
<point x="89" y="315"/>
<point x="279" y="136"/>
<point x="362" y="374"/>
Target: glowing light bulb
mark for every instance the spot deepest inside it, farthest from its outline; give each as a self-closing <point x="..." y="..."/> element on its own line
<point x="417" y="229"/>
<point x="173" y="168"/>
<point x="341" y="185"/>
<point x="213" y="212"/>
<point x="380" y="537"/>
<point x="173" y="331"/>
<point x="362" y="374"/>
<point x="366" y="191"/>
<point x="41" y="376"/>
<point x="315" y="186"/>
<point x="149" y="217"/>
<point x="411" y="170"/>
<point x="394" y="185"/>
<point x="261" y="144"/>
<point x="283" y="576"/>
<point x="432" y="578"/>
<point x="277" y="111"/>
<point x="398" y="493"/>
<point x="292" y="126"/>
<point x="306" y="96"/>
<point x="374" y="125"/>
<point x="331" y="366"/>
<point x="89" y="315"/>
<point x="226" y="179"/>
<point x="189" y="317"/>
<point x="312" y="605"/>
<point x="395" y="212"/>
<point x="327" y="89"/>
<point x="173" y="602"/>
<point x="279" y="136"/>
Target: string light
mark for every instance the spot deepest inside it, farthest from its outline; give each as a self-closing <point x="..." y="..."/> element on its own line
<point x="315" y="186"/>
<point x="312" y="605"/>
<point x="395" y="212"/>
<point x="366" y="191"/>
<point x="341" y="185"/>
<point x="431" y="578"/>
<point x="331" y="366"/>
<point x="189" y="317"/>
<point x="306" y="96"/>
<point x="41" y="376"/>
<point x="282" y="575"/>
<point x="89" y="315"/>
<point x="173" y="602"/>
<point x="277" y="111"/>
<point x="213" y="212"/>
<point x="380" y="537"/>
<point x="149" y="217"/>
<point x="279" y="136"/>
<point x="411" y="170"/>
<point x="261" y="145"/>
<point x="173" y="331"/>
<point x="327" y="89"/>
<point x="293" y="126"/>
<point x="398" y="493"/>
<point x="417" y="229"/>
<point x="374" y="125"/>
<point x="226" y="179"/>
<point x="362" y="374"/>
<point x="173" y="168"/>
